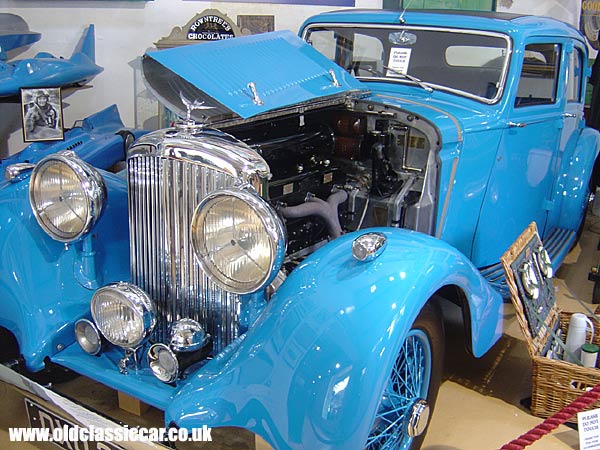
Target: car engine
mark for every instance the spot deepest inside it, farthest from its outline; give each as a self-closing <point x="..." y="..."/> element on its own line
<point x="339" y="170"/>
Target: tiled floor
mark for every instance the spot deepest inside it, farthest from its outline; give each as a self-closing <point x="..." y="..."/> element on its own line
<point x="480" y="401"/>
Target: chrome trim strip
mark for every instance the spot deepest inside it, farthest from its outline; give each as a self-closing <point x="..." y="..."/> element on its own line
<point x="438" y="234"/>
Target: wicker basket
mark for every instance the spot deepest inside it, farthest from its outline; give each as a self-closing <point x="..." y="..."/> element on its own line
<point x="555" y="383"/>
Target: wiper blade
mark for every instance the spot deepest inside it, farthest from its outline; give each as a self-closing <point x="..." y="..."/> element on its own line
<point x="420" y="83"/>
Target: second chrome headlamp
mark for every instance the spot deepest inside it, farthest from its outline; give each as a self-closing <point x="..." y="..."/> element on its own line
<point x="67" y="196"/>
<point x="238" y="239"/>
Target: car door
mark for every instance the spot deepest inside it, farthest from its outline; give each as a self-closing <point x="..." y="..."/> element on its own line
<point x="573" y="122"/>
<point x="521" y="185"/>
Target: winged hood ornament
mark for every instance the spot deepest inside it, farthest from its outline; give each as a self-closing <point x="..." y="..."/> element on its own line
<point x="192" y="105"/>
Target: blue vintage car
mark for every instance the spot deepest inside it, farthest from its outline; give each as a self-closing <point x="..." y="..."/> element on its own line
<point x="277" y="260"/>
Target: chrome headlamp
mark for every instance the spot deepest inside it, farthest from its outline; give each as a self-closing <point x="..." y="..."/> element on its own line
<point x="238" y="239"/>
<point x="66" y="195"/>
<point x="124" y="314"/>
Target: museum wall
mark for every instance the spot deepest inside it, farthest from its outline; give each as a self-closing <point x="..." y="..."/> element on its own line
<point x="567" y="10"/>
<point x="126" y="29"/>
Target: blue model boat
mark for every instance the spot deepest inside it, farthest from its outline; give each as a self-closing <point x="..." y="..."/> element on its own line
<point x="14" y="33"/>
<point x="47" y="70"/>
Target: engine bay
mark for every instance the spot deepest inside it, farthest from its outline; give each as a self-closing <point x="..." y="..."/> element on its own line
<point x="341" y="169"/>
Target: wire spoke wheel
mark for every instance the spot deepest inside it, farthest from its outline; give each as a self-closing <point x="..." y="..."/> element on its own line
<point x="411" y="388"/>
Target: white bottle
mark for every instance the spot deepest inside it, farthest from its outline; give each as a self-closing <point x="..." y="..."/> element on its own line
<point x="576" y="335"/>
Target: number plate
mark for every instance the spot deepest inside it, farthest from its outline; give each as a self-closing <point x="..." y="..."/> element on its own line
<point x="40" y="417"/>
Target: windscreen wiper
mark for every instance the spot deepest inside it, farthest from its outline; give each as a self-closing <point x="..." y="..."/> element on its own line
<point x="421" y="84"/>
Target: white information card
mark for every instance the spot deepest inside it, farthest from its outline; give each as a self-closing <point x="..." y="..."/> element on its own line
<point x="398" y="62"/>
<point x="589" y="429"/>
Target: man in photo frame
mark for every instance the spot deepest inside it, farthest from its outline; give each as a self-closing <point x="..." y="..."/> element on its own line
<point x="40" y="114"/>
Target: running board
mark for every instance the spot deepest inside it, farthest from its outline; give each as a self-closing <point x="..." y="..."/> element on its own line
<point x="558" y="244"/>
<point x="496" y="278"/>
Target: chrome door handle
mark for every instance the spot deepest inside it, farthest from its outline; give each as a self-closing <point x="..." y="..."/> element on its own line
<point x="517" y="124"/>
<point x="565" y="115"/>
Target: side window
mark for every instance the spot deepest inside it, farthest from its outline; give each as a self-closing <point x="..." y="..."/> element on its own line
<point x="574" y="76"/>
<point x="539" y="76"/>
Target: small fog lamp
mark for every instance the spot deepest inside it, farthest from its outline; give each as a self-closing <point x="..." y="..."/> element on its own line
<point x="88" y="336"/>
<point x="187" y="335"/>
<point x="163" y="363"/>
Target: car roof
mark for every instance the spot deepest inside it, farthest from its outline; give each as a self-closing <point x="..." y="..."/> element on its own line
<point x="513" y="24"/>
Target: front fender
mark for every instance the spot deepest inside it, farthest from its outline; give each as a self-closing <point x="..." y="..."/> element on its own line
<point x="309" y="373"/>
<point x="46" y="285"/>
<point x="573" y="185"/>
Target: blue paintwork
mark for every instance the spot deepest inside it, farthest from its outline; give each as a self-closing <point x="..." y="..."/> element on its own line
<point x="523" y="26"/>
<point x="572" y="187"/>
<point x="45" y="70"/>
<point x="10" y="40"/>
<point x="304" y="77"/>
<point x="319" y="329"/>
<point x="471" y="132"/>
<point x="490" y="166"/>
<point x="325" y="344"/>
<point x="40" y="296"/>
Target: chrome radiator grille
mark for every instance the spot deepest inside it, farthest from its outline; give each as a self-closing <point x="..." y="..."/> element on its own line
<point x="163" y="193"/>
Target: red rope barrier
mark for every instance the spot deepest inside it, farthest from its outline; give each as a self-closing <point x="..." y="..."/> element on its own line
<point x="554" y="421"/>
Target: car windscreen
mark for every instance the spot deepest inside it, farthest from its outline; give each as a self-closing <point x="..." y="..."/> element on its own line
<point x="468" y="63"/>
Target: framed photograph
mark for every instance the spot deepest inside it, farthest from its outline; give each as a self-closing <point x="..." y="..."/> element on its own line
<point x="42" y="114"/>
<point x="256" y="24"/>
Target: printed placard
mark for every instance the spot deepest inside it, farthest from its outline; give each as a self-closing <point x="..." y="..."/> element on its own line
<point x="589" y="429"/>
<point x="398" y="61"/>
